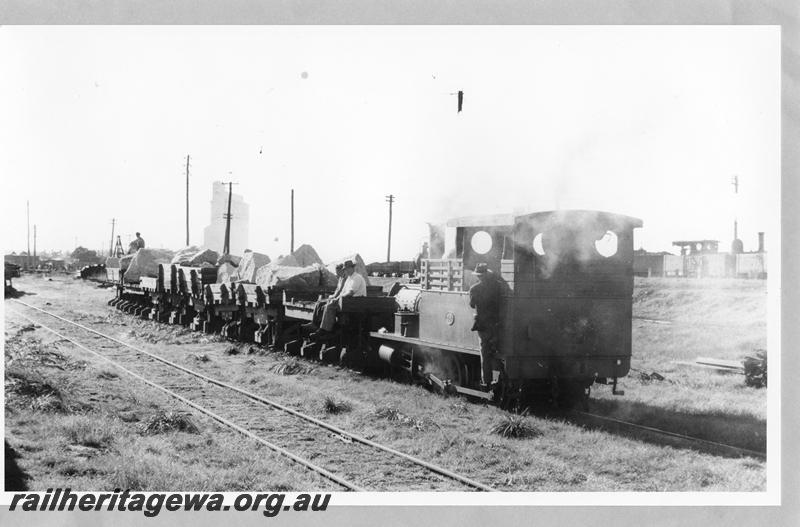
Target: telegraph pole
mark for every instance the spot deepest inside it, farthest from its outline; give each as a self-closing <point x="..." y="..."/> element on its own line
<point x="226" y="249"/>
<point x="34" y="243"/>
<point x="28" y="211"/>
<point x="291" y="243"/>
<point x="187" y="200"/>
<point x="735" y="183"/>
<point x="390" y="199"/>
<point x="111" y="243"/>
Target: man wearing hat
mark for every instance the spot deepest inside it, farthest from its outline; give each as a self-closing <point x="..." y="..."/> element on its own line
<point x="316" y="318"/>
<point x="484" y="297"/>
<point x="354" y="285"/>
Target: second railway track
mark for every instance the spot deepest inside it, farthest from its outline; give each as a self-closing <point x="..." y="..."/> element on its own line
<point x="351" y="461"/>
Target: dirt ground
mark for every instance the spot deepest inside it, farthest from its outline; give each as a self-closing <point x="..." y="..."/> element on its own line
<point x="72" y="421"/>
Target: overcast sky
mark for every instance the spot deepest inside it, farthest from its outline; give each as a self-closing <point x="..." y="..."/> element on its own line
<point x="652" y="122"/>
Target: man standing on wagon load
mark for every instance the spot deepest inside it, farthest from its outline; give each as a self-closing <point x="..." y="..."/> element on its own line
<point x="136" y="244"/>
<point x="484" y="297"/>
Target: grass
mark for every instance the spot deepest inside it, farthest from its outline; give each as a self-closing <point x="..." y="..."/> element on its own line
<point x="86" y="431"/>
<point x="85" y="446"/>
<point x="447" y="431"/>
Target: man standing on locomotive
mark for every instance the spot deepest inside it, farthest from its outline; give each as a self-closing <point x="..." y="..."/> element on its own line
<point x="484" y="297"/>
<point x="354" y="285"/>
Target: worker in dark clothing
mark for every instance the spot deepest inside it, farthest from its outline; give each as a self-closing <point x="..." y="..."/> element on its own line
<point x="136" y="244"/>
<point x="316" y="318"/>
<point x="484" y="297"/>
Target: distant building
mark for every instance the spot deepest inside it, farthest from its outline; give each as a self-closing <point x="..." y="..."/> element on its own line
<point x="22" y="259"/>
<point x="214" y="234"/>
<point x="702" y="259"/>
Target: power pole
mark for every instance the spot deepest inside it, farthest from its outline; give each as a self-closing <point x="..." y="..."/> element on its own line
<point x="187" y="200"/>
<point x="735" y="183"/>
<point x="28" y="258"/>
<point x="111" y="243"/>
<point x="226" y="249"/>
<point x="390" y="199"/>
<point x="34" y="243"/>
<point x="291" y="243"/>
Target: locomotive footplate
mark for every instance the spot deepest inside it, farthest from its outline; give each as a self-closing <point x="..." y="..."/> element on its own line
<point x="424" y="343"/>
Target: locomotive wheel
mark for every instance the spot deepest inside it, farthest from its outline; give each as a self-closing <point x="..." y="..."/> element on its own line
<point x="446" y="366"/>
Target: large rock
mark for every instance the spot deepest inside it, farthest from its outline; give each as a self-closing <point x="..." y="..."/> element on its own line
<point x="226" y="273"/>
<point x="251" y="262"/>
<point x="361" y="269"/>
<point x="303" y="256"/>
<point x="229" y="258"/>
<point x="185" y="255"/>
<point x="145" y="262"/>
<point x="125" y="262"/>
<point x="292" y="277"/>
<point x="205" y="258"/>
<point x="195" y="257"/>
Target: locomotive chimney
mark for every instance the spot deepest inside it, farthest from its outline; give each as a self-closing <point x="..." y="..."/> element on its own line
<point x="761" y="242"/>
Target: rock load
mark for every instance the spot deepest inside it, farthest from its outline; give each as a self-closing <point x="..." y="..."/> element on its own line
<point x="145" y="263"/>
<point x="356" y="259"/>
<point x="195" y="257"/>
<point x="125" y="262"/>
<point x="249" y="265"/>
<point x="305" y="278"/>
<point x="226" y="273"/>
<point x="229" y="258"/>
<point x="303" y="256"/>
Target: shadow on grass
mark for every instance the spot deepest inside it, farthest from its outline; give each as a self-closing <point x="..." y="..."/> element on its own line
<point x="16" y="479"/>
<point x="16" y="293"/>
<point x="741" y="431"/>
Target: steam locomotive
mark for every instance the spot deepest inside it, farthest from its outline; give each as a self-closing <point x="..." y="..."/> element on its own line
<point x="565" y="315"/>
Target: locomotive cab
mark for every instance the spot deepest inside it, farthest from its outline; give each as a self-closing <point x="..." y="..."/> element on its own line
<point x="569" y="318"/>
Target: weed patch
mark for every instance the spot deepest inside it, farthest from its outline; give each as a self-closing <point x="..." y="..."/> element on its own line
<point x="107" y="375"/>
<point x="390" y="413"/>
<point x="30" y="389"/>
<point x="291" y="366"/>
<point x="93" y="433"/>
<point x="172" y="421"/>
<point x="332" y="406"/>
<point x="515" y="427"/>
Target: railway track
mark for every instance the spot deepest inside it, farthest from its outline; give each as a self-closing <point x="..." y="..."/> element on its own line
<point x="351" y="461"/>
<point x="665" y="436"/>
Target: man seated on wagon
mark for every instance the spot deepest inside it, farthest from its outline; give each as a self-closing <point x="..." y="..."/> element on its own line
<point x="353" y="285"/>
<point x="316" y="318"/>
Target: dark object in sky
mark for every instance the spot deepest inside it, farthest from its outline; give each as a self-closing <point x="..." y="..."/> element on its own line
<point x="460" y="100"/>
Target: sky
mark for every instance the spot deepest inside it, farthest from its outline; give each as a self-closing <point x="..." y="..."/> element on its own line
<point x="652" y="122"/>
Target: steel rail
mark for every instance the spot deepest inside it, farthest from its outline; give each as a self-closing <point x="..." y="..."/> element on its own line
<point x="216" y="417"/>
<point x="430" y="466"/>
<point x="715" y="444"/>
